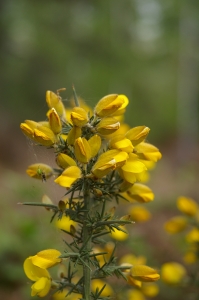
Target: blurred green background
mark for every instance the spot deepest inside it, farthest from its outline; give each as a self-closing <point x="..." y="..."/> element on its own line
<point x="147" y="50"/>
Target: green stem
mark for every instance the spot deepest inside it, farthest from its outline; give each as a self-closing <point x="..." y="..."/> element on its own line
<point x="87" y="247"/>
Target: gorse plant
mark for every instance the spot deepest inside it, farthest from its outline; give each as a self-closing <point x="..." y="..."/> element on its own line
<point x="99" y="160"/>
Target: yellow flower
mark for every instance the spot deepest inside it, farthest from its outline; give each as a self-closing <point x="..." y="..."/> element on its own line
<point x="193" y="236"/>
<point x="54" y="120"/>
<point x="39" y="171"/>
<point x="172" y="273"/>
<point x="97" y="283"/>
<point x="190" y="257"/>
<point x="139" y="213"/>
<point x="137" y="134"/>
<point x="147" y="151"/>
<point x="82" y="150"/>
<point x="150" y="289"/>
<point x="111" y="104"/>
<point x="121" y="143"/>
<point x="42" y="279"/>
<point x="69" y="176"/>
<point x="119" y="235"/>
<point x="108" y="125"/>
<point x="109" y="161"/>
<point x="54" y="101"/>
<point x="65" y="161"/>
<point x="140" y="192"/>
<point x="65" y="223"/>
<point x="44" y="136"/>
<point x="74" y="134"/>
<point x="187" y="206"/>
<point x="176" y="224"/>
<point x="79" y="116"/>
<point x="46" y="258"/>
<point x="144" y="273"/>
<point x="132" y="170"/>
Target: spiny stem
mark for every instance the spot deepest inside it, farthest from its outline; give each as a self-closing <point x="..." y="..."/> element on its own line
<point x="87" y="247"/>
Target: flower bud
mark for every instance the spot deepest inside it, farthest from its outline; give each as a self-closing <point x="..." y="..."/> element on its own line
<point x="148" y="152"/>
<point x="110" y="104"/>
<point x="54" y="101"/>
<point x="144" y="273"/>
<point x="54" y="120"/>
<point x="82" y="150"/>
<point x="74" y="134"/>
<point x="65" y="161"/>
<point x="107" y="126"/>
<point x="79" y="117"/>
<point x="44" y="136"/>
<point x="137" y="134"/>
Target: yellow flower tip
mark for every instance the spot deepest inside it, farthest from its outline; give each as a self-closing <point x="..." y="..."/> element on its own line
<point x="144" y="273"/>
<point x="108" y="125"/>
<point x="54" y="101"/>
<point x="187" y="205"/>
<point x="69" y="176"/>
<point x="173" y="273"/>
<point x="137" y="134"/>
<point x="46" y="258"/>
<point x="139" y="214"/>
<point x="79" y="117"/>
<point x="175" y="224"/>
<point x="54" y="120"/>
<point x="41" y="287"/>
<point x="82" y="150"/>
<point x="39" y="171"/>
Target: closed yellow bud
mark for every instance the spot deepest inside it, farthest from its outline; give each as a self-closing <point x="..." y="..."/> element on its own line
<point x="107" y="126"/>
<point x="79" y="116"/>
<point x="54" y="120"/>
<point x="148" y="152"/>
<point x="108" y="105"/>
<point x="141" y="193"/>
<point x="54" y="101"/>
<point x="82" y="150"/>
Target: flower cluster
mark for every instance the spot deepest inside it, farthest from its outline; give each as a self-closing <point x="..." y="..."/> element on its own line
<point x="187" y="223"/>
<point x="99" y="159"/>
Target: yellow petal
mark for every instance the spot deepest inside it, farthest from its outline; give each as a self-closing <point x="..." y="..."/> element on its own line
<point x="107" y="126"/>
<point x="148" y="152"/>
<point x="95" y="145"/>
<point x="54" y="101"/>
<point x="74" y="134"/>
<point x="65" y="223"/>
<point x="121" y="143"/>
<point x="69" y="176"/>
<point x="41" y="287"/>
<point x="44" y="136"/>
<point x="141" y="193"/>
<point x="33" y="272"/>
<point x="46" y="258"/>
<point x="108" y="105"/>
<point x="79" y="116"/>
<point x="119" y="235"/>
<point x="65" y="161"/>
<point x="175" y="224"/>
<point x="144" y="273"/>
<point x="137" y="134"/>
